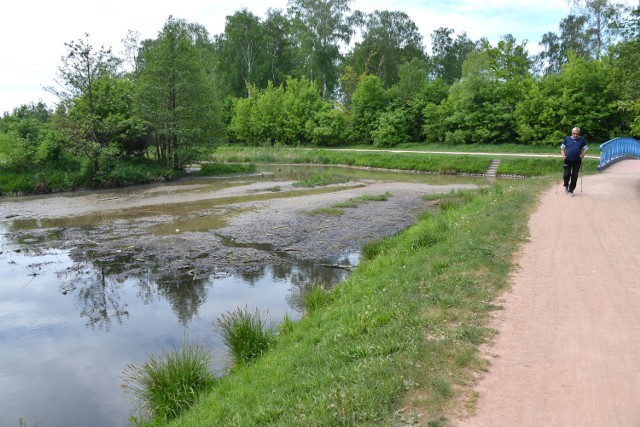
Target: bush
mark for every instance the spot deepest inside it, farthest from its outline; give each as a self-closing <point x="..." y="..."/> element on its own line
<point x="166" y="385"/>
<point x="391" y="129"/>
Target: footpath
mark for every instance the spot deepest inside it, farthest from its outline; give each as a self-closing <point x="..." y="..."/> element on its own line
<point x="567" y="352"/>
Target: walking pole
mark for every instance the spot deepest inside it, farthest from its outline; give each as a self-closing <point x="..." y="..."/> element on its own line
<point x="580" y="172"/>
<point x="558" y="183"/>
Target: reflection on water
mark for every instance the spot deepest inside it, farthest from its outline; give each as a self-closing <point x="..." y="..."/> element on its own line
<point x="68" y="329"/>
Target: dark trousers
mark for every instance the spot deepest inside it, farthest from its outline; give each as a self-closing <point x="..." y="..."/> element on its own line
<point x="571" y="170"/>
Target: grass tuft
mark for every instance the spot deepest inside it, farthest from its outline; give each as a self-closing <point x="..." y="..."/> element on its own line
<point x="314" y="296"/>
<point x="164" y="386"/>
<point x="247" y="335"/>
<point x="320" y="180"/>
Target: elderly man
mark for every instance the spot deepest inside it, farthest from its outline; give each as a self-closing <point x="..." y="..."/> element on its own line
<point x="573" y="149"/>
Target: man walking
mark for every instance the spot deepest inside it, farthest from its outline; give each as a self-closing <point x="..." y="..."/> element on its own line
<point x="573" y="149"/>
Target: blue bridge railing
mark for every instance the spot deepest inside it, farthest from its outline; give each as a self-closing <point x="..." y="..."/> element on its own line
<point x="618" y="149"/>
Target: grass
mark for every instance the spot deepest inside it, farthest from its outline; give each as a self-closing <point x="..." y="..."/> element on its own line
<point x="314" y="297"/>
<point x="164" y="386"/>
<point x="246" y="334"/>
<point x="320" y="180"/>
<point x="365" y="198"/>
<point x="217" y="169"/>
<point x="463" y="163"/>
<point x="333" y="211"/>
<point x="400" y="336"/>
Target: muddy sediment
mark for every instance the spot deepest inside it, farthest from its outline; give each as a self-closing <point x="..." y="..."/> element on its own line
<point x="198" y="228"/>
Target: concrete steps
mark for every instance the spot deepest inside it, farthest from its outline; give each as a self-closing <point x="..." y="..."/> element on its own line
<point x="491" y="170"/>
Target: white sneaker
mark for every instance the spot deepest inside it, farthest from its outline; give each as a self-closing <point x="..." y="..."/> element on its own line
<point x="571" y="194"/>
<point x="566" y="190"/>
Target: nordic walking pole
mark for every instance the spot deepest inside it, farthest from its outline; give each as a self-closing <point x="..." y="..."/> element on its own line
<point x="558" y="183"/>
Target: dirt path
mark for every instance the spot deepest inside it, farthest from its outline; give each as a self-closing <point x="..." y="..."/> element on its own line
<point x="568" y="348"/>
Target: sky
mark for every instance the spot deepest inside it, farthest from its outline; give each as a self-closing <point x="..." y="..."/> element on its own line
<point x="33" y="34"/>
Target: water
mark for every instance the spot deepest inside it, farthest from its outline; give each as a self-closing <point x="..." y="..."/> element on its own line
<point x="69" y="329"/>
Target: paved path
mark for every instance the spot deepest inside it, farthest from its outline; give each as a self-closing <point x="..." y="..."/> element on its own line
<point x="568" y="348"/>
<point x="461" y="153"/>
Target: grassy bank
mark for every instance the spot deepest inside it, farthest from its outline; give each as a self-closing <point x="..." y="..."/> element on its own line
<point x="423" y="162"/>
<point x="397" y="342"/>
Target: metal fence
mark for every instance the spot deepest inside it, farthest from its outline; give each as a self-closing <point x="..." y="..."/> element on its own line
<point x="618" y="149"/>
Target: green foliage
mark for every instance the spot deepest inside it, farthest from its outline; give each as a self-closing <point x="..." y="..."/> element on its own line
<point x="300" y="106"/>
<point x="164" y="386"/>
<point x="320" y="28"/>
<point x="391" y="129"/>
<point x="247" y="335"/>
<point x="176" y="94"/>
<point x="586" y="99"/>
<point x="368" y="101"/>
<point x="135" y="171"/>
<point x="291" y="115"/>
<point x="390" y="38"/>
<point x="332" y="127"/>
<point x="257" y="119"/>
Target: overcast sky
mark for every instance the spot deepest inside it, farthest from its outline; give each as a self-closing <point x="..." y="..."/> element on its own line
<point x="33" y="33"/>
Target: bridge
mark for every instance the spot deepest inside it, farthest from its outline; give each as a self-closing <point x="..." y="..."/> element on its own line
<point x="618" y="149"/>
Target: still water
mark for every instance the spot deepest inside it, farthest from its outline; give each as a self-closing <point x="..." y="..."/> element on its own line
<point x="68" y="329"/>
<point x="67" y="332"/>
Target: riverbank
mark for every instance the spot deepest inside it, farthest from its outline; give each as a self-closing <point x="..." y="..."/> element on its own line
<point x="398" y="341"/>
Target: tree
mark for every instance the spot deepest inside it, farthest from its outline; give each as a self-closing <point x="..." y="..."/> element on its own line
<point x="626" y="74"/>
<point x="279" y="49"/>
<point x="508" y="59"/>
<point x="388" y="40"/>
<point x="448" y="55"/>
<point x="588" y="99"/>
<point x="600" y="16"/>
<point x="176" y="94"/>
<point x="319" y="27"/>
<point x="240" y="50"/>
<point x="21" y="133"/>
<point x="368" y="102"/>
<point x="480" y="107"/>
<point x="300" y="106"/>
<point x="574" y="39"/>
<point x="82" y="76"/>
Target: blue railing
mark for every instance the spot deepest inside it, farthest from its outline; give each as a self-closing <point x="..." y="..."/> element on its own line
<point x="618" y="149"/>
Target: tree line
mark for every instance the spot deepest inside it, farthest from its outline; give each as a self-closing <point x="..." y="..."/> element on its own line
<point x="321" y="74"/>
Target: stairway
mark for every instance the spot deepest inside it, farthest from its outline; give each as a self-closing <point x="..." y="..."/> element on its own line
<point x="491" y="170"/>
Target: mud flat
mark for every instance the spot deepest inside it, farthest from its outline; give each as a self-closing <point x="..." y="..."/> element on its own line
<point x="200" y="227"/>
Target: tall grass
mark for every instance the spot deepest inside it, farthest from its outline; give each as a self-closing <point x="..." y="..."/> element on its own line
<point x="166" y="385"/>
<point x="246" y="334"/>
<point x="314" y="297"/>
